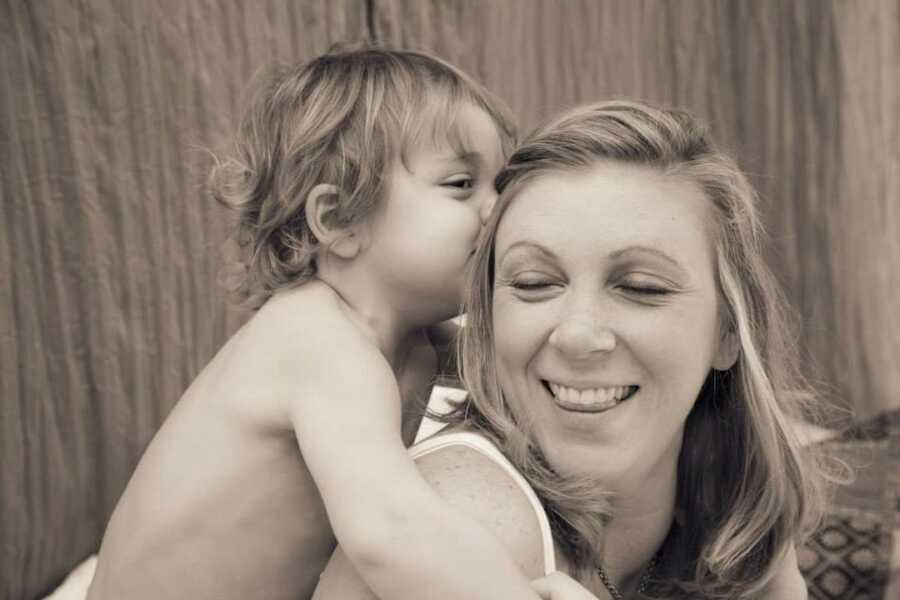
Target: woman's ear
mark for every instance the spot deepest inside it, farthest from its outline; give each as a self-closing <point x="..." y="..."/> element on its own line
<point x="323" y="221"/>
<point x="727" y="352"/>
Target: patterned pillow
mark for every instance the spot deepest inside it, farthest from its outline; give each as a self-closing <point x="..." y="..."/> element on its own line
<point x="846" y="559"/>
<point x="851" y="556"/>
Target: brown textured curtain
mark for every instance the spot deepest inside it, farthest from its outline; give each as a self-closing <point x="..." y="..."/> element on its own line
<point x="109" y="250"/>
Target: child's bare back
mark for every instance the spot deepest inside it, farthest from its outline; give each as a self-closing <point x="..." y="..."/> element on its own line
<point x="222" y="500"/>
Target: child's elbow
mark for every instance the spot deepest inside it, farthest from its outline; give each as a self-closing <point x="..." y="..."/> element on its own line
<point x="787" y="586"/>
<point x="797" y="588"/>
<point x="371" y="540"/>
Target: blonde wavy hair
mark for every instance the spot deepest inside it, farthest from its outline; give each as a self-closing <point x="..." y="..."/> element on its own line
<point x="746" y="491"/>
<point x="342" y="118"/>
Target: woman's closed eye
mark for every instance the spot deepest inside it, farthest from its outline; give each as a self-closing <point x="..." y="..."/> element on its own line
<point x="646" y="287"/>
<point x="532" y="285"/>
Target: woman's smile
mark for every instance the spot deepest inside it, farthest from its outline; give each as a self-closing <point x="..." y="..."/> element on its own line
<point x="589" y="399"/>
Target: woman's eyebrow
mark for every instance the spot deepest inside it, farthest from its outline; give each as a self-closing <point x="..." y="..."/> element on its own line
<point x="528" y="246"/>
<point x="656" y="252"/>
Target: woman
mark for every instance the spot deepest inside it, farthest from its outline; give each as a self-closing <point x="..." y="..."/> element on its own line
<point x="627" y="353"/>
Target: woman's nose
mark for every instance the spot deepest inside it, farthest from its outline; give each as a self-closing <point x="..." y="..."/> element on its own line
<point x="487" y="206"/>
<point x="580" y="336"/>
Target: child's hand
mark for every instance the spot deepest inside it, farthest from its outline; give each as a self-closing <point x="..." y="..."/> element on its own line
<point x="788" y="582"/>
<point x="559" y="586"/>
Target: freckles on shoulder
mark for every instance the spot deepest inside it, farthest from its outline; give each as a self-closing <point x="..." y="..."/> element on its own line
<point x="480" y="489"/>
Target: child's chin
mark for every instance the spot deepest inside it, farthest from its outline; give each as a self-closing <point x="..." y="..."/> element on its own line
<point x="450" y="309"/>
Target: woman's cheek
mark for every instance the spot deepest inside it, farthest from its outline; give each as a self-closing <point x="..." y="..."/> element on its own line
<point x="517" y="331"/>
<point x="516" y="344"/>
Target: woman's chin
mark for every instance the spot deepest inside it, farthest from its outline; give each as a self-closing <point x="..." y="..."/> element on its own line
<point x="594" y="443"/>
<point x="580" y="461"/>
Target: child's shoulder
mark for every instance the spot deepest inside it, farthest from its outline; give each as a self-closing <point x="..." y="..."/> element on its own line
<point x="303" y="331"/>
<point x="307" y="319"/>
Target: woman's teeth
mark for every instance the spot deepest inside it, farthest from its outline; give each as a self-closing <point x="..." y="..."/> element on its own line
<point x="593" y="399"/>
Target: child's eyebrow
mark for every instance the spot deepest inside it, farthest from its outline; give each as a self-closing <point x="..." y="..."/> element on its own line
<point x="473" y="158"/>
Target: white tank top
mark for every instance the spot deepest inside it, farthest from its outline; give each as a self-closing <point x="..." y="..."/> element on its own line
<point x="484" y="446"/>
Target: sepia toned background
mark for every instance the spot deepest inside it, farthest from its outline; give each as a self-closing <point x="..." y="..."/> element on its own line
<point x="110" y="251"/>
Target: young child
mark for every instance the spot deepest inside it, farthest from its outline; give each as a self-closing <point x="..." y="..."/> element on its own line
<point x="362" y="180"/>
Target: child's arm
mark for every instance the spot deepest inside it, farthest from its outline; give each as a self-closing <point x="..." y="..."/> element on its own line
<point x="478" y="488"/>
<point x="390" y="523"/>
<point x="788" y="582"/>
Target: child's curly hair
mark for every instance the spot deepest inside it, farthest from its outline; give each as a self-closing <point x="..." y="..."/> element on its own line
<point x="340" y="119"/>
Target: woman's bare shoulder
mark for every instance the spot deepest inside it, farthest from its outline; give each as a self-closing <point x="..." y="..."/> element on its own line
<point x="476" y="485"/>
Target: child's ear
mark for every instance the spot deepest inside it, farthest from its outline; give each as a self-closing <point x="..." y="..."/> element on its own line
<point x="324" y="223"/>
<point x="727" y="352"/>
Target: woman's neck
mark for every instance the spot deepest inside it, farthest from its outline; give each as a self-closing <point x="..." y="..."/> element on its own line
<point x="641" y="519"/>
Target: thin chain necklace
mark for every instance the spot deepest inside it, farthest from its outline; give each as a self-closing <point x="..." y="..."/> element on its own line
<point x="614" y="591"/>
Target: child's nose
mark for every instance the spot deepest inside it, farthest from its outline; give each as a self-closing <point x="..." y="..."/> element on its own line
<point x="487" y="206"/>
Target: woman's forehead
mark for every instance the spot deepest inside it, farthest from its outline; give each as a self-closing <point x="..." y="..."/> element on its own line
<point x="606" y="208"/>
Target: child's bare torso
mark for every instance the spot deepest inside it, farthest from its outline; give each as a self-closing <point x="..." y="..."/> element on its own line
<point x="222" y="505"/>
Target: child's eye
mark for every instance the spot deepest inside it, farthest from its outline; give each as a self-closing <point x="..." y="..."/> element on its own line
<point x="461" y="182"/>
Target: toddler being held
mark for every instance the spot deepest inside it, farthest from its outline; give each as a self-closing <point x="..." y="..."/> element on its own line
<point x="361" y="180"/>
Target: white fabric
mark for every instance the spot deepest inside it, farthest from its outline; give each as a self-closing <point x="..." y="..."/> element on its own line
<point x="485" y="447"/>
<point x="75" y="585"/>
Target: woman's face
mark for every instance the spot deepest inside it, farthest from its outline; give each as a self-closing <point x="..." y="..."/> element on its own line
<point x="605" y="316"/>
